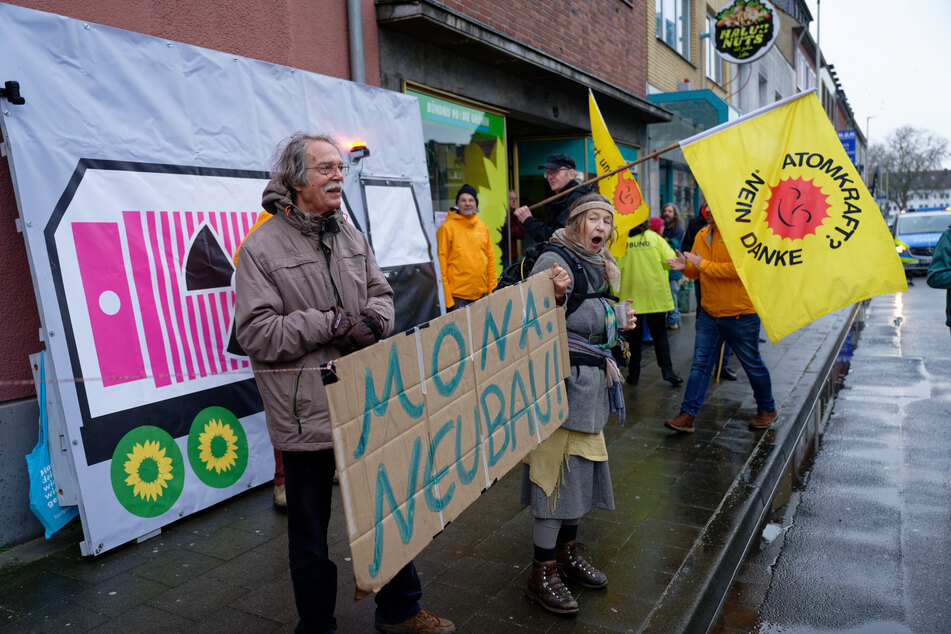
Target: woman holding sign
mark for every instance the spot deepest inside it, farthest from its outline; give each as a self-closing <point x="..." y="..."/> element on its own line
<point x="567" y="475"/>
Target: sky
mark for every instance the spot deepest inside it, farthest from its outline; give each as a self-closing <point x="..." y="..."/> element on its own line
<point x="893" y="60"/>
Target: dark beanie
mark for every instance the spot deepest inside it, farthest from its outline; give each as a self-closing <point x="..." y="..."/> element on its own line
<point x="468" y="189"/>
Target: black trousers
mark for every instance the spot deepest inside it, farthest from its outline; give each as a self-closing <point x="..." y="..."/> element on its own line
<point x="657" y="324"/>
<point x="308" y="481"/>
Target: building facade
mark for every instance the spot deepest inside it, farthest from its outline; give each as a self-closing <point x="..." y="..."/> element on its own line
<point x="524" y="75"/>
<point x="498" y="91"/>
<point x="688" y="77"/>
<point x="499" y="88"/>
<point x="930" y="190"/>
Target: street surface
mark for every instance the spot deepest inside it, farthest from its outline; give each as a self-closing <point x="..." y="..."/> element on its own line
<point x="687" y="505"/>
<point x="865" y="545"/>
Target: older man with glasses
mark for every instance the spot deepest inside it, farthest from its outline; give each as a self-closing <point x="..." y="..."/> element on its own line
<point x="560" y="174"/>
<point x="309" y="290"/>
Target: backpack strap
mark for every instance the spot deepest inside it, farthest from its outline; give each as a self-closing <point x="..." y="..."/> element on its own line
<point x="580" y="291"/>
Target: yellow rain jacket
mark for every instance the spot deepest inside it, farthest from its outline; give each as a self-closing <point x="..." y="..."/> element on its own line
<point x="466" y="258"/>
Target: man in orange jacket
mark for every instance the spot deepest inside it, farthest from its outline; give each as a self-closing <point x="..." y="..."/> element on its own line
<point x="466" y="257"/>
<point x="725" y="314"/>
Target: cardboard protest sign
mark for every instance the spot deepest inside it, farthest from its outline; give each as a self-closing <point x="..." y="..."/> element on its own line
<point x="424" y="422"/>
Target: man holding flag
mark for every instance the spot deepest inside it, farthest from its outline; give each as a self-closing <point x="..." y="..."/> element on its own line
<point x="615" y="182"/>
<point x="726" y="314"/>
<point x="560" y="174"/>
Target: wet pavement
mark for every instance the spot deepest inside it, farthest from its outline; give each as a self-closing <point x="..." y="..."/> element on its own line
<point x="687" y="508"/>
<point x="865" y="543"/>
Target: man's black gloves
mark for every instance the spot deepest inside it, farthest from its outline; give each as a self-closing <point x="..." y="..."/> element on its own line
<point x="342" y="322"/>
<point x="365" y="332"/>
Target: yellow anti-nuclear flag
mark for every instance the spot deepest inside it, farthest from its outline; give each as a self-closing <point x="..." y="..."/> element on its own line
<point x="804" y="233"/>
<point x="621" y="189"/>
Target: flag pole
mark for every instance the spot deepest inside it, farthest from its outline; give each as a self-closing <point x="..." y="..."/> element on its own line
<point x="607" y="174"/>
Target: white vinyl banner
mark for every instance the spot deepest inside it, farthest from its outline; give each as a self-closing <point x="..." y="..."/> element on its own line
<point x="138" y="166"/>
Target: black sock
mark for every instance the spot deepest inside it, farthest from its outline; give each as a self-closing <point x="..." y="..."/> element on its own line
<point x="544" y="554"/>
<point x="567" y="533"/>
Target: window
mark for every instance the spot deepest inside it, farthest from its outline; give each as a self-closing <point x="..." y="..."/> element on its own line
<point x="805" y="76"/>
<point x="464" y="144"/>
<point x="673" y="24"/>
<point x="763" y="92"/>
<point x="684" y="187"/>
<point x="714" y="63"/>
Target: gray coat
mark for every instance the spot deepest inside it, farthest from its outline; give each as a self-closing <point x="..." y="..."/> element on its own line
<point x="587" y="484"/>
<point x="588" y="405"/>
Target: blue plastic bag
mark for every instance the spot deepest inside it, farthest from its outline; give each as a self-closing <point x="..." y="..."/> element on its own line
<point x="43" y="501"/>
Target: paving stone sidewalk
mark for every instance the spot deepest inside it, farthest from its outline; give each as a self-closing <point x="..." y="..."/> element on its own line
<point x="687" y="506"/>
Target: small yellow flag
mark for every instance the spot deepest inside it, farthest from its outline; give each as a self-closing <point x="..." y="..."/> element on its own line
<point x="621" y="189"/>
<point x="805" y="235"/>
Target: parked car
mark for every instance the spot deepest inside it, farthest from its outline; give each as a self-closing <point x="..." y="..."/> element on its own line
<point x="916" y="234"/>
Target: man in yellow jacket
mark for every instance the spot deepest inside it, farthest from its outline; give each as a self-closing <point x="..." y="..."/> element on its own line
<point x="466" y="257"/>
<point x="725" y="314"/>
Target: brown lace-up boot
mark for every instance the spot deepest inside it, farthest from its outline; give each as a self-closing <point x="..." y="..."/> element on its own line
<point x="763" y="420"/>
<point x="682" y="422"/>
<point x="546" y="588"/>
<point x="577" y="568"/>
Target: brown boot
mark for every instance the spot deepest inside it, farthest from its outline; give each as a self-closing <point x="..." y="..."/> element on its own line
<point x="682" y="422"/>
<point x="280" y="498"/>
<point x="424" y="622"/>
<point x="577" y="568"/>
<point x="763" y="420"/>
<point x="546" y="588"/>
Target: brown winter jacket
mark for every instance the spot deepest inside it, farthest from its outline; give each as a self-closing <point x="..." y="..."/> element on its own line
<point x="285" y="299"/>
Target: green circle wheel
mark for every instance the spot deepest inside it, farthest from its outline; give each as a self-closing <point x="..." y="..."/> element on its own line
<point x="148" y="472"/>
<point x="217" y="447"/>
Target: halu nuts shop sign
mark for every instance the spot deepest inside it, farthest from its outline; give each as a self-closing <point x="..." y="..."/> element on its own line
<point x="745" y="30"/>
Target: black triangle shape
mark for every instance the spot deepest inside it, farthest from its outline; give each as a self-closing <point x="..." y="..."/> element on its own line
<point x="207" y="265"/>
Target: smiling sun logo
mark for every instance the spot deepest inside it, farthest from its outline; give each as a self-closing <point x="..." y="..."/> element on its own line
<point x="797" y="207"/>
<point x="627" y="197"/>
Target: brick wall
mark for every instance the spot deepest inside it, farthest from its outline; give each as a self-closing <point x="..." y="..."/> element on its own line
<point x="299" y="33"/>
<point x="605" y="38"/>
<point x="21" y="319"/>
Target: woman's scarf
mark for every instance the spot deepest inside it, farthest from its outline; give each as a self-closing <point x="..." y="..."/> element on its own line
<point x="612" y="276"/>
<point x="612" y="273"/>
<point x="612" y="375"/>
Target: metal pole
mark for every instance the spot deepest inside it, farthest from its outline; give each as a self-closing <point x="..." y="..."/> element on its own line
<point x="868" y="144"/>
<point x="819" y="49"/>
<point x="355" y="32"/>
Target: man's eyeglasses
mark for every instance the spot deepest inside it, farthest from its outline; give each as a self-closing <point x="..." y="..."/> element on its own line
<point x="326" y="169"/>
<point x="549" y="172"/>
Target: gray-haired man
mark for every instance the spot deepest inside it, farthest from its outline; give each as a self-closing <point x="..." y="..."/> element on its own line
<point x="309" y="290"/>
